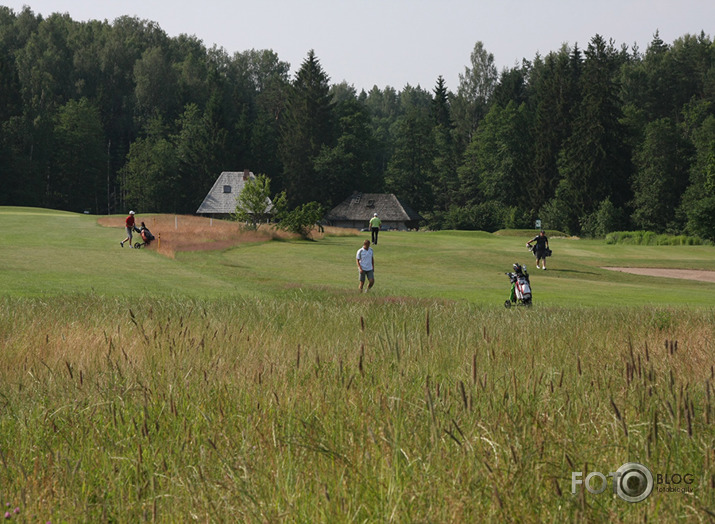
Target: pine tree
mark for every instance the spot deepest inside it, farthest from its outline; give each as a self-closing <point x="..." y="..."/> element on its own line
<point x="595" y="163"/>
<point x="444" y="180"/>
<point x="349" y="165"/>
<point x="307" y="128"/>
<point x="199" y="143"/>
<point x="412" y="164"/>
<point x="660" y="178"/>
<point x="556" y="94"/>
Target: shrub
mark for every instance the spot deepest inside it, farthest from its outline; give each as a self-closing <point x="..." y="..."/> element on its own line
<point x="648" y="238"/>
<point x="555" y="215"/>
<point x="302" y="219"/>
<point x="605" y="219"/>
<point x="701" y="218"/>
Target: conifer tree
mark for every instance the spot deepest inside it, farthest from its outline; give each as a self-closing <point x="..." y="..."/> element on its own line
<point x="555" y="95"/>
<point x="594" y="163"/>
<point x="660" y="177"/>
<point x="444" y="178"/>
<point x="307" y="128"/>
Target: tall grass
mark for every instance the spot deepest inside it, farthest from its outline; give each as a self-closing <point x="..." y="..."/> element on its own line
<point x="649" y="238"/>
<point x="176" y="233"/>
<point x="347" y="409"/>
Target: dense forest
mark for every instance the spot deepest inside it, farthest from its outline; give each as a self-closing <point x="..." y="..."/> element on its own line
<point x="102" y="117"/>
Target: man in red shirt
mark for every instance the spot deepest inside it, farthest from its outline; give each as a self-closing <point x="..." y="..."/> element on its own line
<point x="129" y="223"/>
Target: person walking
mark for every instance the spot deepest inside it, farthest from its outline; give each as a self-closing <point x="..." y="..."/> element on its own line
<point x="540" y="249"/>
<point x="365" y="259"/>
<point x="375" y="224"/>
<point x="129" y="225"/>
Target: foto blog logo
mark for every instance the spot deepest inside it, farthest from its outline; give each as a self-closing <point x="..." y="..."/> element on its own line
<point x="632" y="482"/>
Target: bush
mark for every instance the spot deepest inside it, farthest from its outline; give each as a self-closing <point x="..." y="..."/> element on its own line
<point x="605" y="219"/>
<point x="302" y="219"/>
<point x="648" y="238"/>
<point x="701" y="218"/>
<point x="253" y="204"/>
<point x="487" y="216"/>
<point x="514" y="218"/>
<point x="555" y="215"/>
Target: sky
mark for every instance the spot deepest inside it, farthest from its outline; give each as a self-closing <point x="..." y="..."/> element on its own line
<point x="393" y="43"/>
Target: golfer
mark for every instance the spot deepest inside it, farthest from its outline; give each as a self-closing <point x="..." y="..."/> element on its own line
<point x="542" y="244"/>
<point x="375" y="224"/>
<point x="129" y="226"/>
<point x="366" y="264"/>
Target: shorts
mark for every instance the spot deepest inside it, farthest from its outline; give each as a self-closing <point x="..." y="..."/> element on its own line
<point x="129" y="231"/>
<point x="370" y="274"/>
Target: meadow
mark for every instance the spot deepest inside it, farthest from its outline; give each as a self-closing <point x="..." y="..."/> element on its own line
<point x="252" y="382"/>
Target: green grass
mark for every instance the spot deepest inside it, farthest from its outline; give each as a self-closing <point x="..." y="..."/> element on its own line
<point x="255" y="384"/>
<point x="648" y="238"/>
<point x="55" y="253"/>
<point x="70" y="253"/>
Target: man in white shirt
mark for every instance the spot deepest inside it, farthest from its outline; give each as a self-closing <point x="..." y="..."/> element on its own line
<point x="365" y="259"/>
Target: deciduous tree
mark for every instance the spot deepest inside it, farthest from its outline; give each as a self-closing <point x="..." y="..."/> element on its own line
<point x="253" y="204"/>
<point x="476" y="86"/>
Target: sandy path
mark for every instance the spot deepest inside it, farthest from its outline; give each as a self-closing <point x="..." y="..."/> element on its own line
<point x="689" y="274"/>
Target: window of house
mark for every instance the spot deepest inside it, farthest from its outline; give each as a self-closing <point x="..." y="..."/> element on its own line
<point x="226" y="189"/>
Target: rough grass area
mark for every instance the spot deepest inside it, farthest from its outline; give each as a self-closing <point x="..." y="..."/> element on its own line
<point x="648" y="238"/>
<point x="530" y="233"/>
<point x="176" y="233"/>
<point x="252" y="383"/>
<point x="368" y="410"/>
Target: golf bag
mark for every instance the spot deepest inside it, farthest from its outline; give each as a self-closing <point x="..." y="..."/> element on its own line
<point x="547" y="251"/>
<point x="147" y="238"/>
<point x="520" y="287"/>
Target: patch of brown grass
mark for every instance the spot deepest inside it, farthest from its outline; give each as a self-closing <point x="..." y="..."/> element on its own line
<point x="176" y="233"/>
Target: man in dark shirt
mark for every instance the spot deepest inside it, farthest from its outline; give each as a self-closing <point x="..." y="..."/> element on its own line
<point x="542" y="244"/>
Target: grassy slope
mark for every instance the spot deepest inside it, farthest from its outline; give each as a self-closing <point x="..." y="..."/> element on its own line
<point x="50" y="253"/>
<point x="300" y="401"/>
<point x="70" y="253"/>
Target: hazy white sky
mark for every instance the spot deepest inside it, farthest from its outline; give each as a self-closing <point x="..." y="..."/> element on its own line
<point x="399" y="42"/>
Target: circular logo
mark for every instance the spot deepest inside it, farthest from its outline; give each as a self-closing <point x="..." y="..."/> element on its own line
<point x="634" y="483"/>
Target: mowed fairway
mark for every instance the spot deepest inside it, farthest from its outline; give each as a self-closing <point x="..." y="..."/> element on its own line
<point x="254" y="384"/>
<point x="55" y="253"/>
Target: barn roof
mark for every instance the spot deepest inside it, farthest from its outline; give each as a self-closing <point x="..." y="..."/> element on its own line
<point x="221" y="199"/>
<point x="362" y="206"/>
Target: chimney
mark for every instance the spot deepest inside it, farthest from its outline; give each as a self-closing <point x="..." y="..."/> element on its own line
<point x="245" y="174"/>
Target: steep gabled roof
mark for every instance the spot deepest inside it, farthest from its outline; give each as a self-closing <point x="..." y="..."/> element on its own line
<point x="362" y="206"/>
<point x="221" y="199"/>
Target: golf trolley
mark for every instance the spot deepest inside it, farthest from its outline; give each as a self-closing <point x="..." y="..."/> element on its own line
<point x="146" y="236"/>
<point x="520" y="287"/>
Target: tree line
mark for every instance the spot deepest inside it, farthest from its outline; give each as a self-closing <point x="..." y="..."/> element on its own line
<point x="102" y="117"/>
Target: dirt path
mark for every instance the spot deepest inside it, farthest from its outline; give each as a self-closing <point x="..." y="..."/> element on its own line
<point x="689" y="274"/>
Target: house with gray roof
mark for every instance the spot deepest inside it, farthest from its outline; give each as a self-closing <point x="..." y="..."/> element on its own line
<point x="220" y="202"/>
<point x="357" y="210"/>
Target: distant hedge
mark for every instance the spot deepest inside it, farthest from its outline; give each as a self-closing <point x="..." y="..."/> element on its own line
<point x="648" y="238"/>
